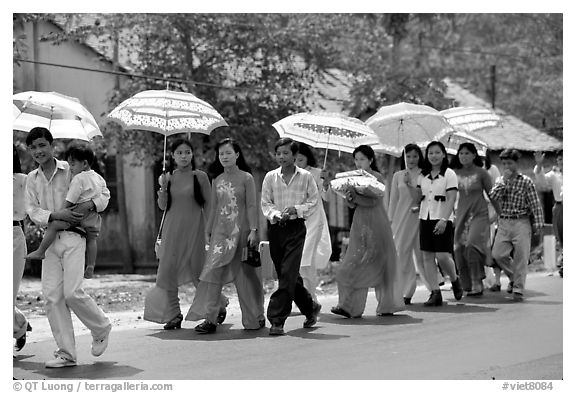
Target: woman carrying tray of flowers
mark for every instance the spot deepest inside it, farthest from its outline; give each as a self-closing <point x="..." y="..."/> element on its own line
<point x="370" y="260"/>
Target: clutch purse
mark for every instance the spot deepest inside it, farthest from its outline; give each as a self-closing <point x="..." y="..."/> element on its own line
<point x="251" y="256"/>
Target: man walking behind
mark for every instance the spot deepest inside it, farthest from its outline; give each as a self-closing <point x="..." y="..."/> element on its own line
<point x="554" y="180"/>
<point x="516" y="195"/>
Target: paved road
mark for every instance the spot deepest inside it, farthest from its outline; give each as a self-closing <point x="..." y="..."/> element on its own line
<point x="487" y="338"/>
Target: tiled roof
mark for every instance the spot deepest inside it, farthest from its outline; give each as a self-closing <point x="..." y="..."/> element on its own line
<point x="512" y="133"/>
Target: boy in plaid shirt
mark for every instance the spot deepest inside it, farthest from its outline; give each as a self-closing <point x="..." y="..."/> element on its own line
<point x="517" y="198"/>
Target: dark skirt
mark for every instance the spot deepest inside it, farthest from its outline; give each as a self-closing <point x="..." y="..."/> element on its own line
<point x="436" y="243"/>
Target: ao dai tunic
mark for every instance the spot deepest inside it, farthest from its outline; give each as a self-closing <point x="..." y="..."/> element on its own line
<point x="235" y="212"/>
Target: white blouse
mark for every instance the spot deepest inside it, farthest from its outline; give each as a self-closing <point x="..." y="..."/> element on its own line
<point x="434" y="192"/>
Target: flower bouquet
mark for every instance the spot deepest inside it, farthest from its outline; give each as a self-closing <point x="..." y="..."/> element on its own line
<point x="361" y="181"/>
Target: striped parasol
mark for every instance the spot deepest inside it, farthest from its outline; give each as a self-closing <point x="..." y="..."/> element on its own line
<point x="471" y="119"/>
<point x="399" y="124"/>
<point x="64" y="116"/>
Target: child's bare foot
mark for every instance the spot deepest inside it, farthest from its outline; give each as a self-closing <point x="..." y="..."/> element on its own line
<point x="36" y="255"/>
<point x="89" y="272"/>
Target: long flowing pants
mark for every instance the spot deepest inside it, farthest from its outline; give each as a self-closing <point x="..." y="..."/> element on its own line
<point x="208" y="299"/>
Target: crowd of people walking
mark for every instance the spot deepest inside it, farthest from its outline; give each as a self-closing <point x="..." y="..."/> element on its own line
<point x="437" y="223"/>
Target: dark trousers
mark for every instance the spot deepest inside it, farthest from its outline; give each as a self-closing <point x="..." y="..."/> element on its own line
<point x="557" y="211"/>
<point x="286" y="245"/>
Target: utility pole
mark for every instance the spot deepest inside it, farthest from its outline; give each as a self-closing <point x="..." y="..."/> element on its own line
<point x="493" y="85"/>
<point x="127" y="256"/>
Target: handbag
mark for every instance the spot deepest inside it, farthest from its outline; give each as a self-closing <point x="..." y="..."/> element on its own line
<point x="251" y="256"/>
<point x="158" y="242"/>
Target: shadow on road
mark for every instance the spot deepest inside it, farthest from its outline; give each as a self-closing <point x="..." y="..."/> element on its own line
<point x="225" y="333"/>
<point x="97" y="370"/>
<point x="453" y="308"/>
<point x="396" y="319"/>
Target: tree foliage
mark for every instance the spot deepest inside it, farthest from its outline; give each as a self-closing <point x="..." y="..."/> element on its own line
<point x="258" y="68"/>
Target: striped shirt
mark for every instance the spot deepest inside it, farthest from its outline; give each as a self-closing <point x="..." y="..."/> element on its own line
<point x="518" y="197"/>
<point x="301" y="192"/>
<point x="44" y="196"/>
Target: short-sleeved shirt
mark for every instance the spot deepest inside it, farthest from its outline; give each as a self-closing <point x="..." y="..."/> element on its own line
<point x="85" y="186"/>
<point x="434" y="192"/>
<point x="44" y="196"/>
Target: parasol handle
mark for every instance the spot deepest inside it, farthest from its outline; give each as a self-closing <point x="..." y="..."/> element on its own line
<point x="164" y="156"/>
<point x="51" y="114"/>
<point x="326" y="153"/>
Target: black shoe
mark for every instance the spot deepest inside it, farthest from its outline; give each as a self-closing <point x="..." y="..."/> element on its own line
<point x="313" y="318"/>
<point x="340" y="311"/>
<point x="561" y="272"/>
<point x="510" y="287"/>
<point x="518" y="297"/>
<point x="475" y="294"/>
<point x="262" y="323"/>
<point x="457" y="289"/>
<point x="174" y="323"/>
<point x="206" y="327"/>
<point x="21" y="341"/>
<point x="435" y="298"/>
<point x="276" y="330"/>
<point x="495" y="288"/>
<point x="221" y="316"/>
<point x="407" y="300"/>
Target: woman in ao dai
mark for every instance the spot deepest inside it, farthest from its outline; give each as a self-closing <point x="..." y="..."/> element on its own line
<point x="317" y="246"/>
<point x="232" y="226"/>
<point x="370" y="260"/>
<point x="472" y="226"/>
<point x="403" y="212"/>
<point x="184" y="196"/>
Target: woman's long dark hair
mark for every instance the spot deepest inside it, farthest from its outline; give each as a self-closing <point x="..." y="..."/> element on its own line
<point x="217" y="168"/>
<point x="456" y="164"/>
<point x="369" y="153"/>
<point x="306" y="151"/>
<point x="16" y="167"/>
<point x="172" y="165"/>
<point x="487" y="160"/>
<point x="427" y="167"/>
<point x="407" y="149"/>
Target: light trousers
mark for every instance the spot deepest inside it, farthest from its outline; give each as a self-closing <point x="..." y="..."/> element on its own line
<point x="62" y="278"/>
<point x="513" y="235"/>
<point x="18" y="262"/>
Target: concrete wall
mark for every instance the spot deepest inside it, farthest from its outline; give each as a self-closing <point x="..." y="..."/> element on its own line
<point x="93" y="89"/>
